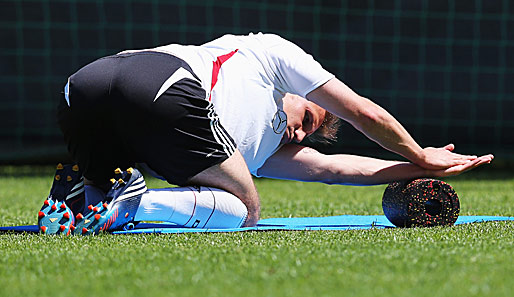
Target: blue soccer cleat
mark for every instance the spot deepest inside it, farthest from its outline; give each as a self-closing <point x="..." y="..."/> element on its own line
<point x="56" y="216"/>
<point x="121" y="206"/>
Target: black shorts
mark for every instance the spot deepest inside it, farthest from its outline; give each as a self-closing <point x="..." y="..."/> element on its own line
<point x="121" y="110"/>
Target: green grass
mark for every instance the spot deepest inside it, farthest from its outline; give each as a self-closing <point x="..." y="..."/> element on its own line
<point x="465" y="260"/>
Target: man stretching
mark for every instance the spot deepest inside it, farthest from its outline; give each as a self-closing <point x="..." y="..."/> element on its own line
<point x="207" y="118"/>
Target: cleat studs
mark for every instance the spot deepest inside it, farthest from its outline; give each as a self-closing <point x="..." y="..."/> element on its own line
<point x="54" y="207"/>
<point x="62" y="228"/>
<point x="117" y="171"/>
<point x="75" y="168"/>
<point x="90" y="207"/>
<point x="66" y="215"/>
<point x="130" y="170"/>
<point x="79" y="217"/>
<point x="97" y="217"/>
<point x="84" y="230"/>
<point x="69" y="178"/>
<point x="95" y="209"/>
<point x="63" y="206"/>
<point x="72" y="228"/>
<point x="41" y="214"/>
<point x="113" y="181"/>
<point x="126" y="215"/>
<point x="57" y="177"/>
<point x="121" y="181"/>
<point x="60" y="166"/>
<point x="105" y="205"/>
<point x="43" y="229"/>
<point x="47" y="202"/>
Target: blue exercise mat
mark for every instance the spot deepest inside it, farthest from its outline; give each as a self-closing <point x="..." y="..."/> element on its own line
<point x="344" y="222"/>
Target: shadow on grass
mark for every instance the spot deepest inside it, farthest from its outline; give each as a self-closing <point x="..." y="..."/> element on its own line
<point x="483" y="173"/>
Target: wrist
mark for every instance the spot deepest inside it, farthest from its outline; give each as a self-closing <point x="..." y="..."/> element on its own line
<point x="416" y="155"/>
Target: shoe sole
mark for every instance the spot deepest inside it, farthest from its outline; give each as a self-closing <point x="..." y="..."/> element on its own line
<point x="55" y="218"/>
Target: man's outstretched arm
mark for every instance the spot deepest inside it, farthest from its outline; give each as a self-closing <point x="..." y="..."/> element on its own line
<point x="381" y="127"/>
<point x="301" y="163"/>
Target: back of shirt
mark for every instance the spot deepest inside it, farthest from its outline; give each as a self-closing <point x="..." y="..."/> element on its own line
<point x="246" y="77"/>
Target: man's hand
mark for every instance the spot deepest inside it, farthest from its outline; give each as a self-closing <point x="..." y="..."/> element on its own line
<point x="444" y="158"/>
<point x="461" y="168"/>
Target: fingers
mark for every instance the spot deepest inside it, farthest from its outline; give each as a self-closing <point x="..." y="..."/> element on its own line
<point x="458" y="158"/>
<point x="450" y="147"/>
<point x="482" y="159"/>
<point x="489" y="157"/>
<point x="463" y="159"/>
<point x="476" y="162"/>
<point x="486" y="159"/>
<point x="458" y="169"/>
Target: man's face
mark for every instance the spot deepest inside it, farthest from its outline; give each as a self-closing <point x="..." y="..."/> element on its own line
<point x="303" y="118"/>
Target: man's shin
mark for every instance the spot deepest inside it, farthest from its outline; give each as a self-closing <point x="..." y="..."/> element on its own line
<point x="193" y="207"/>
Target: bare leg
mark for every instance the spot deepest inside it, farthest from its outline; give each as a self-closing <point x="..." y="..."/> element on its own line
<point x="232" y="175"/>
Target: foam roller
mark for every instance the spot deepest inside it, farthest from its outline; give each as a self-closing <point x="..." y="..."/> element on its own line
<point x="421" y="203"/>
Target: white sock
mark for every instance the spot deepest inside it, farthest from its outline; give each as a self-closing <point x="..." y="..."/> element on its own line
<point x="190" y="207"/>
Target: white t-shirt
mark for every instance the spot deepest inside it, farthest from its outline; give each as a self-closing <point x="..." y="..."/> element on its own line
<point x="250" y="85"/>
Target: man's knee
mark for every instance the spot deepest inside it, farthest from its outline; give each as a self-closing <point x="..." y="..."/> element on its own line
<point x="232" y="175"/>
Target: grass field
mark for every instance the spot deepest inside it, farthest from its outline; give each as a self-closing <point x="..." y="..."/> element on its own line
<point x="469" y="260"/>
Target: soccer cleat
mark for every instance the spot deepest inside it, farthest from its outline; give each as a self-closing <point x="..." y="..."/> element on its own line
<point x="56" y="214"/>
<point x="55" y="218"/>
<point x="119" y="209"/>
<point x="70" y="187"/>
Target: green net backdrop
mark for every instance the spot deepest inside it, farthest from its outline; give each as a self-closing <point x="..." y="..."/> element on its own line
<point x="445" y="69"/>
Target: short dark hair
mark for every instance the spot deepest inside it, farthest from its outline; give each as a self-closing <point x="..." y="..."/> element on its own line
<point x="327" y="132"/>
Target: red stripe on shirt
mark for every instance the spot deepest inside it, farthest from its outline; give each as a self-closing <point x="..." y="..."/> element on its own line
<point x="216" y="66"/>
